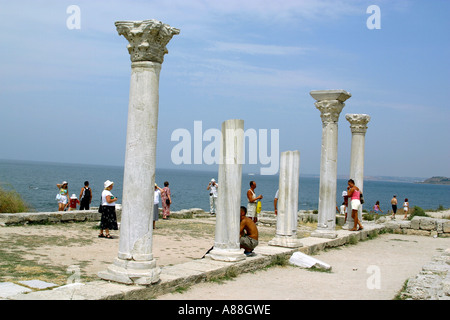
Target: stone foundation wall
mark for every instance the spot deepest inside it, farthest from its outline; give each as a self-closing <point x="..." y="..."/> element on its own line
<point x="80" y="216"/>
<point x="422" y="226"/>
<point x="432" y="283"/>
<point x="52" y="217"/>
<point x="303" y="216"/>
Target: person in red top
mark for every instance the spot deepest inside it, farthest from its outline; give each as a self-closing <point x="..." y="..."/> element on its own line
<point x="73" y="202"/>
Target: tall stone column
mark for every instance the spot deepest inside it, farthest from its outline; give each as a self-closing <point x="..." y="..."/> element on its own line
<point x="286" y="233"/>
<point x="358" y="125"/>
<point x="147" y="45"/>
<point x="226" y="244"/>
<point x="330" y="104"/>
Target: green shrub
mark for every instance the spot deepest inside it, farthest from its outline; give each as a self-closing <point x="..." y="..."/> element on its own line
<point x="417" y="211"/>
<point x="12" y="202"/>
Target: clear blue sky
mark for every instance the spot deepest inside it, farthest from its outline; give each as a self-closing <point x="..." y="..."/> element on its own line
<point x="64" y="93"/>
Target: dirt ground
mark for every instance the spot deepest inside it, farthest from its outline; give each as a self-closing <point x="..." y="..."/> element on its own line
<point x="370" y="270"/>
<point x="48" y="252"/>
<point x="375" y="269"/>
<point x="53" y="248"/>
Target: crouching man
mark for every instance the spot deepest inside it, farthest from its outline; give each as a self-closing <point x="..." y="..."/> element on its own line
<point x="248" y="234"/>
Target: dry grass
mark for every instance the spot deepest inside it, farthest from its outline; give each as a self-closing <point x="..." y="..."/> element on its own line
<point x="46" y="252"/>
<point x="12" y="202"/>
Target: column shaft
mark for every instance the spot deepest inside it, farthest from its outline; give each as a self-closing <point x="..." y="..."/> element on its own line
<point x="227" y="245"/>
<point x="358" y="126"/>
<point x="140" y="162"/>
<point x="147" y="45"/>
<point x="330" y="104"/>
<point x="286" y="233"/>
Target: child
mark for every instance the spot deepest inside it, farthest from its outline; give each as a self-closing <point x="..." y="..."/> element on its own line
<point x="376" y="208"/>
<point x="73" y="202"/>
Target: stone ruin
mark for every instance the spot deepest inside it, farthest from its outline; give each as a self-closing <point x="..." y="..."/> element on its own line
<point x="135" y="263"/>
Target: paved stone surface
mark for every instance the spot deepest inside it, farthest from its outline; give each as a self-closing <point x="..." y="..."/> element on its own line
<point x="9" y="289"/>
<point x="38" y="284"/>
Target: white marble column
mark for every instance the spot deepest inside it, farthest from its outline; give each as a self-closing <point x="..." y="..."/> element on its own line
<point x="147" y="45"/>
<point x="226" y="244"/>
<point x="358" y="126"/>
<point x="330" y="104"/>
<point x="286" y="233"/>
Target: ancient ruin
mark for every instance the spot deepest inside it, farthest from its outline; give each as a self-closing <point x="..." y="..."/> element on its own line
<point x="330" y="104"/>
<point x="358" y="125"/>
<point x="147" y="46"/>
<point x="226" y="244"/>
<point x="286" y="231"/>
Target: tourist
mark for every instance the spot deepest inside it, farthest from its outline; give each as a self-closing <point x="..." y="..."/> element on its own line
<point x="85" y="196"/>
<point x="275" y="203"/>
<point x="343" y="210"/>
<point x="405" y="208"/>
<point x="252" y="201"/>
<point x="248" y="234"/>
<point x="109" y="220"/>
<point x="62" y="196"/>
<point x="73" y="202"/>
<point x="355" y="195"/>
<point x="166" y="200"/>
<point x="212" y="187"/>
<point x="157" y="196"/>
<point x="345" y="204"/>
<point x="394" y="206"/>
<point x="376" y="208"/>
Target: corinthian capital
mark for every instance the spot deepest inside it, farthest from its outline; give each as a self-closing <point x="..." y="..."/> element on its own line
<point x="330" y="103"/>
<point x="358" y="122"/>
<point x="147" y="39"/>
<point x="329" y="110"/>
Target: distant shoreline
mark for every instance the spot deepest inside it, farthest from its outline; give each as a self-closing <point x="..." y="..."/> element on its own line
<point x="437" y="180"/>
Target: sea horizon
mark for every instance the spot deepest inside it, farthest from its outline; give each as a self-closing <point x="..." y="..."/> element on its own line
<point x="36" y="182"/>
<point x="203" y="168"/>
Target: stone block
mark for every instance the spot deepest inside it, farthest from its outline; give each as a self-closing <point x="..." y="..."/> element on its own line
<point x="68" y="216"/>
<point x="38" y="284"/>
<point x="405" y="224"/>
<point x="35" y="217"/>
<point x="8" y="289"/>
<point x="446" y="226"/>
<point x="436" y="268"/>
<point x="9" y="218"/>
<point x="304" y="261"/>
<point x="94" y="216"/>
<point x="393" y="225"/>
<point x="440" y="225"/>
<point x="415" y="223"/>
<point x="427" y="223"/>
<point x="55" y="216"/>
<point x="417" y="232"/>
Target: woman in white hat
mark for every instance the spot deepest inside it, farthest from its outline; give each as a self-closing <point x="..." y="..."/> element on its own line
<point x="62" y="196"/>
<point x="109" y="219"/>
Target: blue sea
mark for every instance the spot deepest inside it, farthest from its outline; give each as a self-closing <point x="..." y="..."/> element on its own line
<point x="36" y="183"/>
